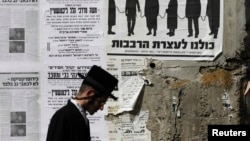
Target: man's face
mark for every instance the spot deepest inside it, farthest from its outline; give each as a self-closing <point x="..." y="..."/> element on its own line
<point x="97" y="103"/>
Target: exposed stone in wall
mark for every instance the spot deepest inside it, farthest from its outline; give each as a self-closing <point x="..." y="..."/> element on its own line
<point x="246" y="53"/>
<point x="246" y="56"/>
<point x="182" y="106"/>
<point x="184" y="97"/>
<point x="217" y="77"/>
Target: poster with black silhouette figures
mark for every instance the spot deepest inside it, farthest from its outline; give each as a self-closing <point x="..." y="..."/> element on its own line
<point x="164" y="29"/>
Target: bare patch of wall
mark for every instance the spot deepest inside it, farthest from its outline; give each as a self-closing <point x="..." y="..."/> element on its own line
<point x="186" y="96"/>
<point x="246" y="56"/>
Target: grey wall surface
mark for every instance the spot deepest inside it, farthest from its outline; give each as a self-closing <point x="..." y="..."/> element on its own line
<point x="186" y="96"/>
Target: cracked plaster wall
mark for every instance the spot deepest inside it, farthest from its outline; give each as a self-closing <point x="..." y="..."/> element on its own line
<point x="186" y="96"/>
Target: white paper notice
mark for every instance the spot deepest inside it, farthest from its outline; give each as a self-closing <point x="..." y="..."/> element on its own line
<point x="124" y="129"/>
<point x="131" y="91"/>
<point x="130" y="83"/>
<point x="19" y="110"/>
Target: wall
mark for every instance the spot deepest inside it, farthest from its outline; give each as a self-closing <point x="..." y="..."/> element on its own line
<point x="186" y="96"/>
<point x="245" y="56"/>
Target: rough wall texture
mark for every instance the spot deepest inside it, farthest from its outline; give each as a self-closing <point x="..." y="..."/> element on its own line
<point x="186" y="96"/>
<point x="245" y="56"/>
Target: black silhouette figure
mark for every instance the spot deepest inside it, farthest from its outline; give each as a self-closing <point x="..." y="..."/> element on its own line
<point x="151" y="13"/>
<point x="193" y="11"/>
<point x="172" y="17"/>
<point x="130" y="11"/>
<point x="111" y="16"/>
<point x="213" y="13"/>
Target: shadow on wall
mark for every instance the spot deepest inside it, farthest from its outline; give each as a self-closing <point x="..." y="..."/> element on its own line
<point x="247" y="15"/>
<point x="246" y="53"/>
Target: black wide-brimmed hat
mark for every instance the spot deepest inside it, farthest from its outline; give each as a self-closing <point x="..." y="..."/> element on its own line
<point x="100" y="80"/>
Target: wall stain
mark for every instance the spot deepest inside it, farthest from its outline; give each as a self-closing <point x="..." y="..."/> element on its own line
<point x="219" y="77"/>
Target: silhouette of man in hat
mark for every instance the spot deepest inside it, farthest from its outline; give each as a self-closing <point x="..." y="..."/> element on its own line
<point x="70" y="122"/>
<point x="193" y="12"/>
<point x="213" y="14"/>
<point x="130" y="11"/>
<point x="172" y="16"/>
<point x="111" y="16"/>
<point x="151" y="13"/>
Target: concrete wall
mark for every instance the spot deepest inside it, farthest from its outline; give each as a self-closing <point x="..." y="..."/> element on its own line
<point x="245" y="56"/>
<point x="186" y="96"/>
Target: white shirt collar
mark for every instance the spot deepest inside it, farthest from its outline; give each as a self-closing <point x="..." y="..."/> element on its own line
<point x="81" y="110"/>
<point x="79" y="107"/>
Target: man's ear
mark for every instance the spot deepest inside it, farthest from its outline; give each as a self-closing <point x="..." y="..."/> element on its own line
<point x="90" y="92"/>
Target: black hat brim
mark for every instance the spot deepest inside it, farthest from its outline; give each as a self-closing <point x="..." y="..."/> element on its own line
<point x="97" y="86"/>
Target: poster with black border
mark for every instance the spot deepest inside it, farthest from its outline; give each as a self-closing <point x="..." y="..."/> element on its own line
<point x="164" y="29"/>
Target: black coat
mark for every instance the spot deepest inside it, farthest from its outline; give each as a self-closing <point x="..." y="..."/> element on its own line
<point x="112" y="13"/>
<point x="193" y="8"/>
<point x="172" y="14"/>
<point x="151" y="8"/>
<point x="68" y="124"/>
<point x="130" y="8"/>
<point x="213" y="11"/>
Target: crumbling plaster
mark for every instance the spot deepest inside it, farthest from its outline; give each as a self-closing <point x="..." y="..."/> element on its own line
<point x="182" y="102"/>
